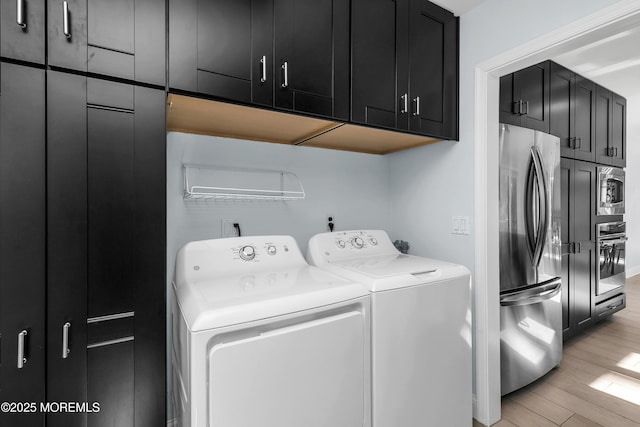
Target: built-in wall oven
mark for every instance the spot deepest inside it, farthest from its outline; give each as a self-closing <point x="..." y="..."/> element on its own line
<point x="611" y="239"/>
<point x="610" y="191"/>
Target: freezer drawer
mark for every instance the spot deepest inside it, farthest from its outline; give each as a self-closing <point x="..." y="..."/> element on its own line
<point x="530" y="335"/>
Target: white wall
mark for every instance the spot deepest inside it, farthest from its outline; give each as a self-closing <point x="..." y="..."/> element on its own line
<point x="351" y="187"/>
<point x="632" y="190"/>
<point x="445" y="172"/>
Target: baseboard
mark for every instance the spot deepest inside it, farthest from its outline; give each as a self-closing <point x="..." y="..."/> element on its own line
<point x="632" y="271"/>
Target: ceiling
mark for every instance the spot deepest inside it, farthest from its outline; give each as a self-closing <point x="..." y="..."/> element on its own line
<point x="458" y="7"/>
<point x="612" y="62"/>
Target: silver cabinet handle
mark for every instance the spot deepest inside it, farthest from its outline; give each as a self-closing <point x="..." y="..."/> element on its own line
<point x="65" y="340"/>
<point x="65" y="20"/>
<point x="404" y="103"/>
<point x="20" y="14"/>
<point x="417" y="101"/>
<point x="21" y="359"/>
<point x="263" y="61"/>
<point x="285" y="70"/>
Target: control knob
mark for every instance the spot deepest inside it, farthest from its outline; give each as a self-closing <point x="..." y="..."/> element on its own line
<point x="271" y="250"/>
<point x="341" y="244"/>
<point x="373" y="241"/>
<point x="357" y="242"/>
<point x="247" y="253"/>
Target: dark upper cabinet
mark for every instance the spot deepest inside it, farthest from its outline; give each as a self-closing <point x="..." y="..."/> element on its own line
<point x="22" y="241"/>
<point x="405" y="66"/>
<point x="374" y="49"/>
<point x="611" y="128"/>
<point x="222" y="48"/>
<point x="290" y="54"/>
<point x="572" y="115"/>
<point x="108" y="145"/>
<point x="579" y="255"/>
<point x="433" y="70"/>
<point x="524" y="97"/>
<point x="122" y="38"/>
<point x="22" y="31"/>
<point x="311" y="52"/>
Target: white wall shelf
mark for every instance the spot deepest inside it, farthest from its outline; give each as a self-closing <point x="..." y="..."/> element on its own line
<point x="222" y="183"/>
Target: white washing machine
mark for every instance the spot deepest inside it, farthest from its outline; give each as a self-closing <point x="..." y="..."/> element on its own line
<point x="420" y="328"/>
<point x="260" y="338"/>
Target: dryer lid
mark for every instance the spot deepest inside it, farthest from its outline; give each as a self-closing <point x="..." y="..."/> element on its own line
<point x="245" y="298"/>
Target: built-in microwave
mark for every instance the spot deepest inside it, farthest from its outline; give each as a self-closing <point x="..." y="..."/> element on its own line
<point x="610" y="191"/>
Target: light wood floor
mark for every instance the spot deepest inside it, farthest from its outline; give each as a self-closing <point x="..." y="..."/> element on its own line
<point x="597" y="383"/>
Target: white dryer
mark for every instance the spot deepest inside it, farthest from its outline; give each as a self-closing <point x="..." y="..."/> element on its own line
<point x="260" y="338"/>
<point x="420" y="328"/>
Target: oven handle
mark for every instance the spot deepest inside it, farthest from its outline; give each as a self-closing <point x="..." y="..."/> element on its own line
<point x="611" y="242"/>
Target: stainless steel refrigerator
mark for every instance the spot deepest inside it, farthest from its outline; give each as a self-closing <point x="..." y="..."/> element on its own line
<point x="530" y="256"/>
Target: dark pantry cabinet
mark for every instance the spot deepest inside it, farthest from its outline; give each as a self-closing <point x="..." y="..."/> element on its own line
<point x="121" y="38"/>
<point x="290" y="54"/>
<point x="22" y="29"/>
<point x="579" y="252"/>
<point x="22" y="240"/>
<point x="405" y="66"/>
<point x="82" y="220"/>
<point x="524" y="97"/>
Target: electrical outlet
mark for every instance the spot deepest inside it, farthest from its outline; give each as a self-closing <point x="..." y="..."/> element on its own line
<point x="227" y="229"/>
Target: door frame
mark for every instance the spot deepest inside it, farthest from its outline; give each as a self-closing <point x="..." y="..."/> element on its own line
<point x="487" y="80"/>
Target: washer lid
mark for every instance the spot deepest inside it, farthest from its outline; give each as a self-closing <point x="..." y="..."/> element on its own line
<point x="391" y="265"/>
<point x="254" y="296"/>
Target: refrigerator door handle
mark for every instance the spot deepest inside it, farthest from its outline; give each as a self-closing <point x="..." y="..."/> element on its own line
<point x="542" y="206"/>
<point x="532" y="295"/>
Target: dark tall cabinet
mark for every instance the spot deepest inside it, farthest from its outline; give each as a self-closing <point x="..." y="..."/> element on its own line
<point x="22" y="241"/>
<point x="405" y="66"/>
<point x="106" y="248"/>
<point x="82" y="248"/>
<point x="579" y="255"/>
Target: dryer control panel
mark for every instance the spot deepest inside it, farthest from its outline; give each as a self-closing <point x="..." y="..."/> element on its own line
<point x="211" y="259"/>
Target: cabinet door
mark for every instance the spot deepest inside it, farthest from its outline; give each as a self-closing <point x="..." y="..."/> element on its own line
<point x="619" y="131"/>
<point x="532" y="86"/>
<point x="222" y="48"/>
<point x="584" y="203"/>
<point x="66" y="244"/>
<point x="121" y="38"/>
<point x="508" y="96"/>
<point x="22" y="30"/>
<point x="106" y="240"/>
<point x="433" y="70"/>
<point x="584" y="119"/>
<point x="374" y="99"/>
<point x="312" y="56"/>
<point x="566" y="210"/>
<point x="22" y="241"/>
<point x="604" y="109"/>
<point x="561" y="108"/>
